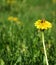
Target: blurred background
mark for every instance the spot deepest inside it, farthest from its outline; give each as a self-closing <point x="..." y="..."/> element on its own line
<point x="20" y="41"/>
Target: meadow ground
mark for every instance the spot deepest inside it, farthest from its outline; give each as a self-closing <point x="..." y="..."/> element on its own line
<point x="20" y="41"/>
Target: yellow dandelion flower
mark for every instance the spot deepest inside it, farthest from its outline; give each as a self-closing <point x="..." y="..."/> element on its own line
<point x="10" y="1"/>
<point x="10" y="18"/>
<point x="42" y="24"/>
<point x="15" y="19"/>
<point x="54" y="1"/>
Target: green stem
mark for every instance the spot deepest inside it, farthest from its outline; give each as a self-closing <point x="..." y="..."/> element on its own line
<point x="44" y="49"/>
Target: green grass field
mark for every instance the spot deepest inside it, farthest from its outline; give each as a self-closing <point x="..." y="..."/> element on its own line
<point x="20" y="41"/>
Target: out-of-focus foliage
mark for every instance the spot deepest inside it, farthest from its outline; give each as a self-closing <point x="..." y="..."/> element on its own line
<point x="20" y="41"/>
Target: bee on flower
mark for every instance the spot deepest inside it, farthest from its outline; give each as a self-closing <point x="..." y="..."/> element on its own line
<point x="43" y="24"/>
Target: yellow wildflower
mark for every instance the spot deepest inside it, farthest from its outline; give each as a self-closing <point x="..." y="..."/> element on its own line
<point x="15" y="19"/>
<point x="42" y="24"/>
<point x="54" y="1"/>
<point x="10" y="18"/>
<point x="10" y="1"/>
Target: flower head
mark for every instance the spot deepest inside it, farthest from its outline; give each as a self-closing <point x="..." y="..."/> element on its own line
<point x="54" y="1"/>
<point x="10" y="1"/>
<point x="15" y="19"/>
<point x="11" y="18"/>
<point x="42" y="24"/>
